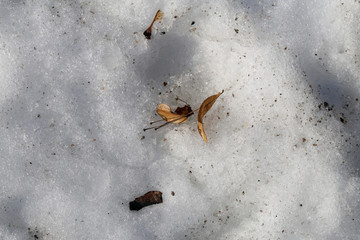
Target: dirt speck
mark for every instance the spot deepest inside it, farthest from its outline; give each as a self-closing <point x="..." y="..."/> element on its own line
<point x="343" y="120"/>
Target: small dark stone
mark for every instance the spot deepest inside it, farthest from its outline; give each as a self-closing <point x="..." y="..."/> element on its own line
<point x="165" y="84"/>
<point x="172" y="193"/>
<point x="162" y="33"/>
<point x="192" y="23"/>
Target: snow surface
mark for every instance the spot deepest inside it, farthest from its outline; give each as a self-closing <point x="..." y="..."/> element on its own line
<point x="79" y="82"/>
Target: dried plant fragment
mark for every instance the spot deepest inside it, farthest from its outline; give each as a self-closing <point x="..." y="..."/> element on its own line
<point x="204" y="108"/>
<point x="158" y="16"/>
<point x="179" y="116"/>
<point x="150" y="198"/>
<point x="185" y="111"/>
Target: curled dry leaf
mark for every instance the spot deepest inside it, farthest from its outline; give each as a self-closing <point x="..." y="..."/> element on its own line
<point x="150" y="198"/>
<point x="180" y="115"/>
<point x="158" y="16"/>
<point x="204" y="108"/>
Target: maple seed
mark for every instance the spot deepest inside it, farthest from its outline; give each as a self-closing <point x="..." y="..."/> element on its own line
<point x="204" y="108"/>
<point x="158" y="16"/>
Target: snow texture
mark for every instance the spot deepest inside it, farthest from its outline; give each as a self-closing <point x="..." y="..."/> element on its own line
<point x="79" y="82"/>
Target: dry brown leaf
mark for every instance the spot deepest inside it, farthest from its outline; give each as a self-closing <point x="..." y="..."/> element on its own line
<point x="204" y="108"/>
<point x="158" y="16"/>
<point x="180" y="115"/>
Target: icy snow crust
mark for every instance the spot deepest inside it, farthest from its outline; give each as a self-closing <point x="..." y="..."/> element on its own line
<point x="79" y="82"/>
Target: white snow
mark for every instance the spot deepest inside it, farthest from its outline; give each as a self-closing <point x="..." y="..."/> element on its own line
<point x="79" y="82"/>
